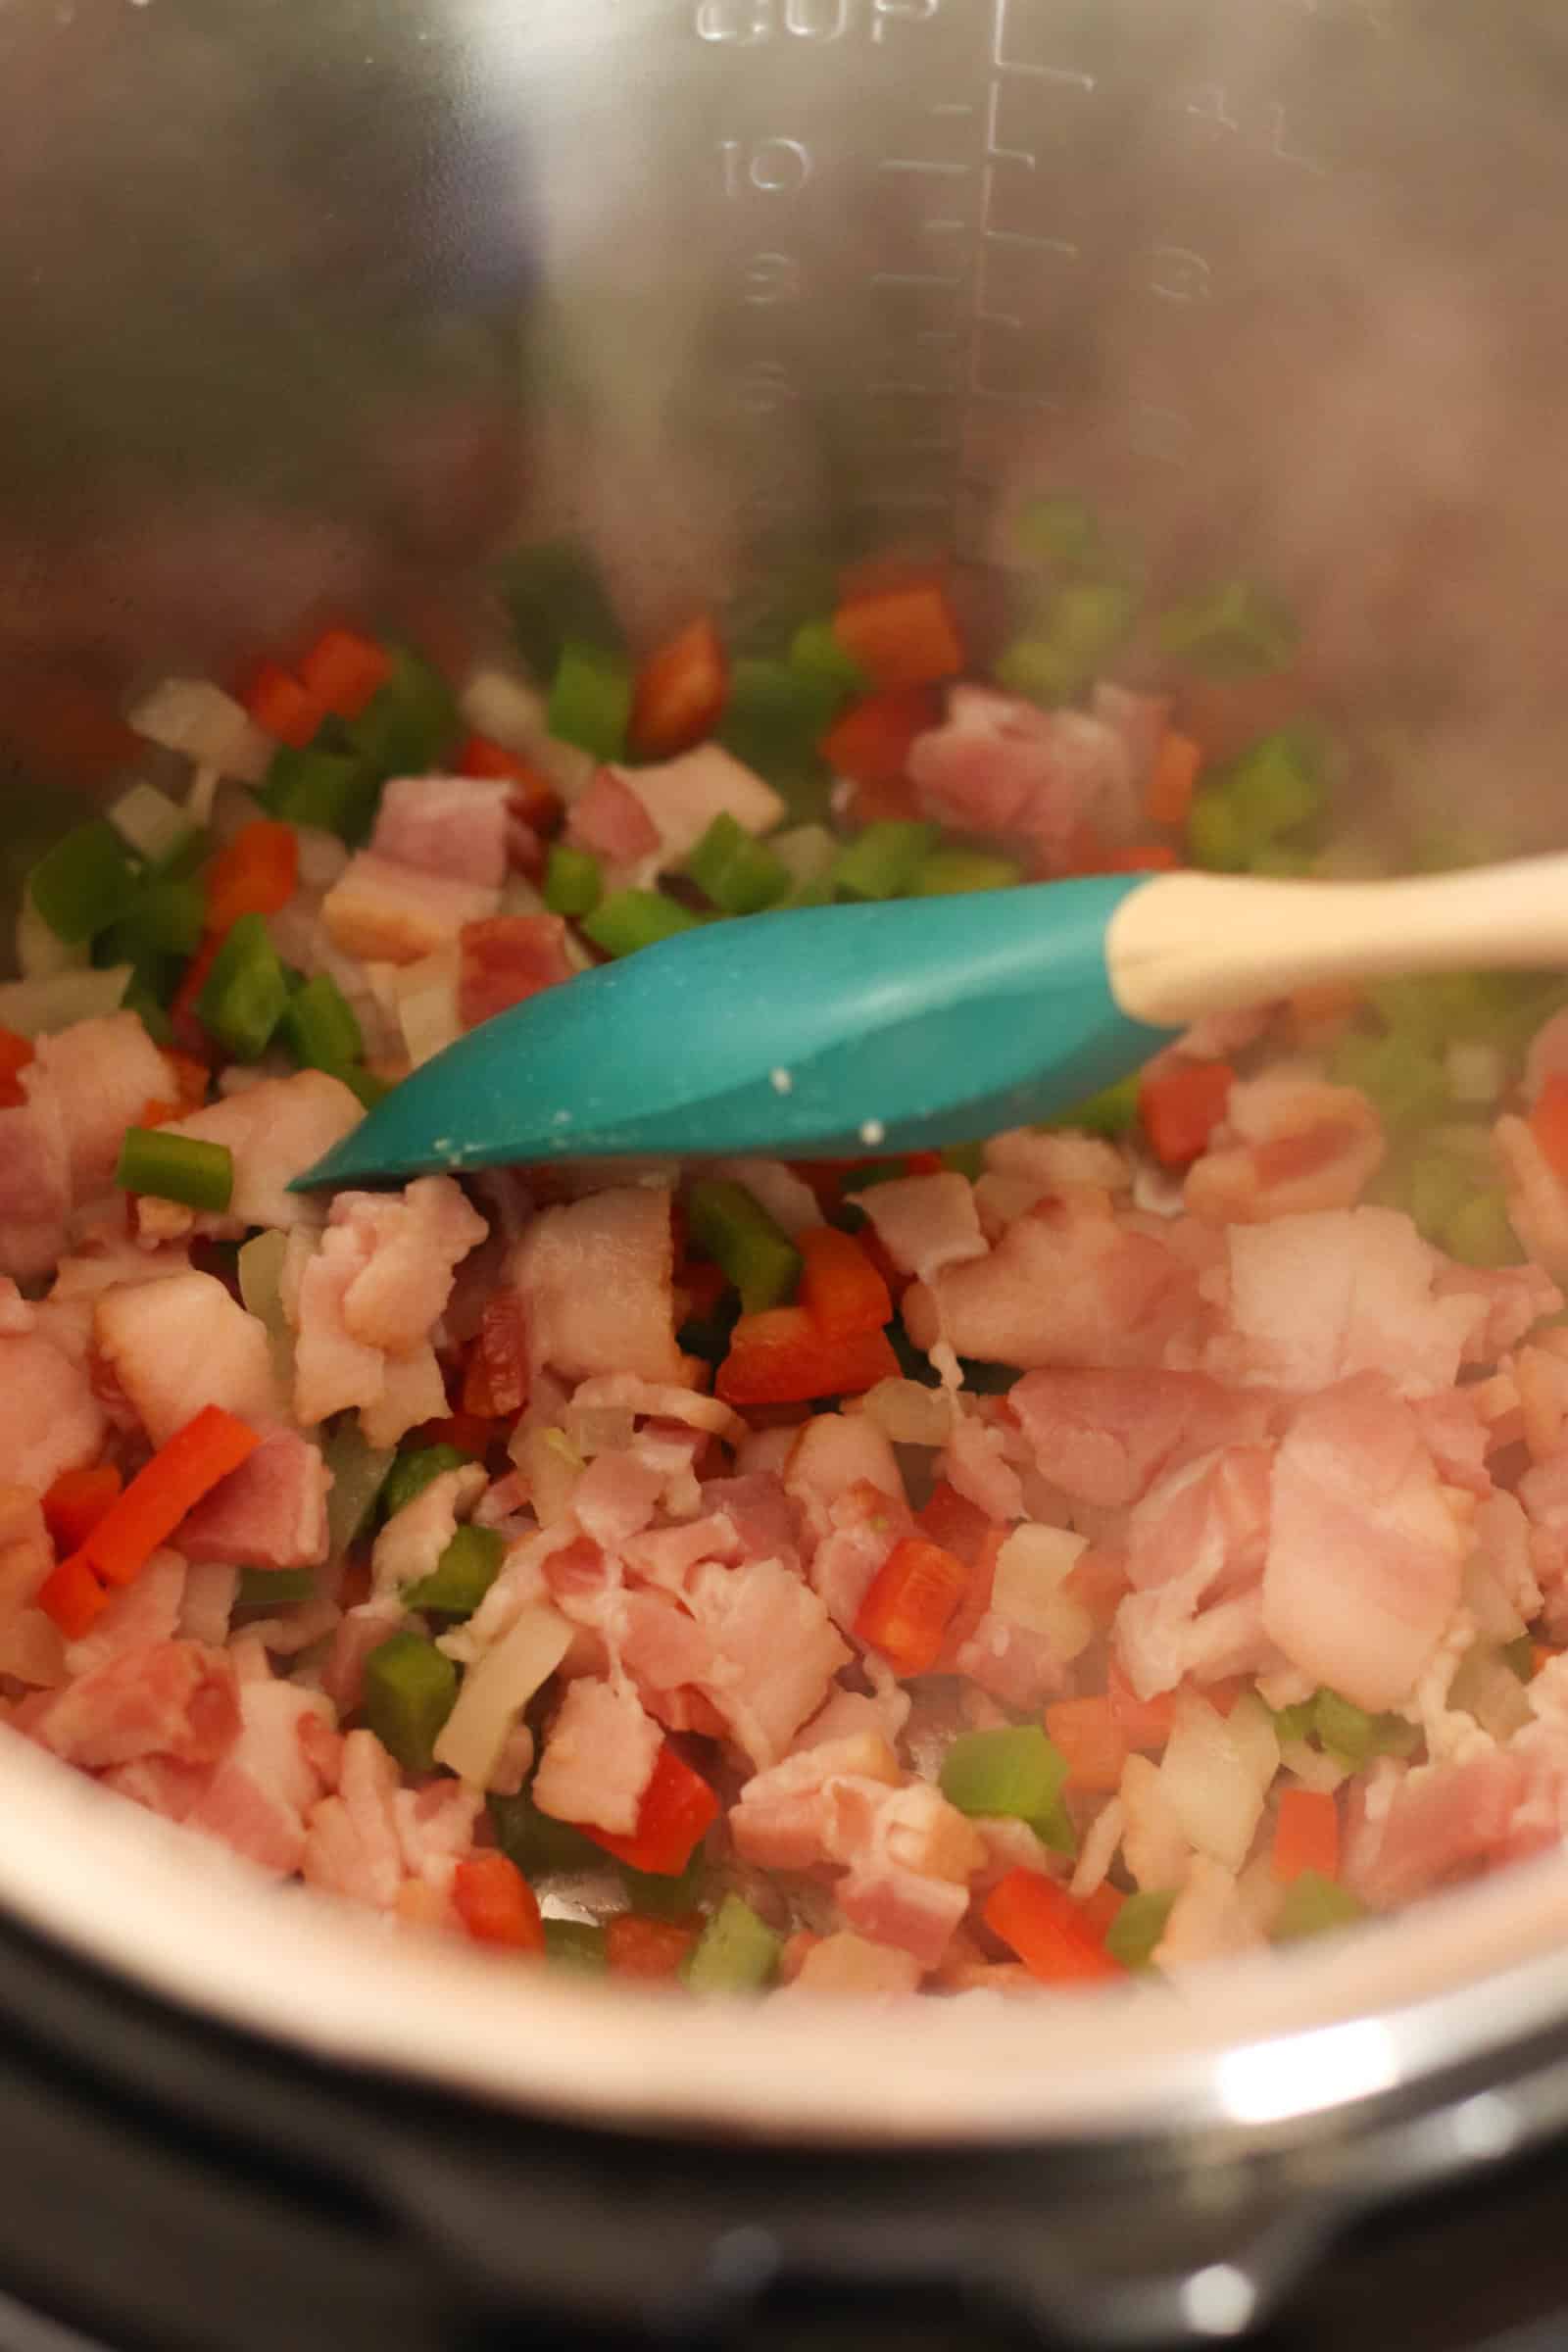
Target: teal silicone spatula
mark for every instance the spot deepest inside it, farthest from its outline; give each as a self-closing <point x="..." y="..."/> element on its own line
<point x="841" y="1031"/>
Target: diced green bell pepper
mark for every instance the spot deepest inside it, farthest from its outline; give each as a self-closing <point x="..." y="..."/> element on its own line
<point x="966" y="1160"/>
<point x="319" y="1026"/>
<point x="735" y="1951"/>
<point x="245" y="991"/>
<point x="1355" y="1735"/>
<point x="462" y="1576"/>
<point x="334" y="791"/>
<point x="737" y="873"/>
<point x="411" y="1472"/>
<point x="553" y="593"/>
<point x="591" y="699"/>
<point x="1481" y="1233"/>
<point x="410" y="1689"/>
<point x="1090" y="617"/>
<point x="408" y="722"/>
<point x="85" y="883"/>
<point x="578" y="1944"/>
<point x="175" y="1167"/>
<point x="359" y="1472"/>
<point x="1041" y="670"/>
<point x="883" y="859"/>
<point x="1133" y="1935"/>
<point x="1294" y="1724"/>
<point x="1112" y="1112"/>
<point x="1017" y="1772"/>
<point x="273" y="1588"/>
<point x="574" y="880"/>
<point x="816" y="651"/>
<point x="1406" y="1083"/>
<point x="163" y="919"/>
<point x="540" y="1846"/>
<point x="1056" y="527"/>
<point x="660" y="1897"/>
<point x="631" y="919"/>
<point x="774" y="718"/>
<point x="1236" y="631"/>
<point x="733" y="1228"/>
<point x="945" y="873"/>
<point x="1312" y="1905"/>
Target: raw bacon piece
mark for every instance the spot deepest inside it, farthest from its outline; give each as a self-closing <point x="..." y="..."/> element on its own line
<point x="180" y="1342"/>
<point x="1104" y="1437"/>
<point x="598" y="1759"/>
<point x="1287" y="1146"/>
<point x="269" y="1513"/>
<point x="925" y="1223"/>
<point x="50" y="1420"/>
<point x="390" y="913"/>
<point x="274" y="1131"/>
<point x="98" y="1073"/>
<point x="596" y="1281"/>
<point x="35" y="1185"/>
<point x="351" y="1844"/>
<point x="450" y="825"/>
<point x="172" y="1699"/>
<point x="611" y="821"/>
<point x="775" y="1652"/>
<point x="258" y="1799"/>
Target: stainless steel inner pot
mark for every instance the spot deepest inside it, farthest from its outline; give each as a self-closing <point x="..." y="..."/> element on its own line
<point x="308" y="310"/>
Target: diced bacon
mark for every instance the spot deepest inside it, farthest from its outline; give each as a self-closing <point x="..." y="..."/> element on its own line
<point x="682" y="797"/>
<point x="1317" y="1298"/>
<point x="664" y="1556"/>
<point x="974" y="1464"/>
<point x="831" y="1456"/>
<point x="652" y="1399"/>
<point x="863" y="1526"/>
<point x="925" y="1223"/>
<point x="666" y="1651"/>
<point x="1287" y="1144"/>
<point x="1166" y="1636"/>
<point x="32" y="1649"/>
<point x="848" y="1964"/>
<point x="615" y="1498"/>
<point x="382" y="912"/>
<point x="158" y="1784"/>
<point x="172" y="1699"/>
<point x="359" y="1631"/>
<point x="351" y="1844"/>
<point x="17" y="1316"/>
<point x="791" y="1816"/>
<point x="1456" y="1437"/>
<point x="506" y="960"/>
<point x="50" y="1420"/>
<point x="1211" y="1512"/>
<point x="611" y="821"/>
<point x="139" y="1616"/>
<point x="1515" y="1298"/>
<point x="104" y="1256"/>
<point x="269" y="1513"/>
<point x="765" y="1517"/>
<point x="899" y="1907"/>
<point x="999" y="765"/>
<point x="99" y="1074"/>
<point x="181" y="1342"/>
<point x="274" y="1131"/>
<point x="599" y="1757"/>
<point x="775" y="1652"/>
<point x="414" y="1538"/>
<point x="596" y="1281"/>
<point x="451" y="825"/>
<point x="435" y="1826"/>
<point x="257" y="1801"/>
<point x="1537" y="1198"/>
<point x="1067" y="1284"/>
<point x="1104" y="1437"/>
<point x="35" y="1185"/>
<point x="1444" y="1822"/>
<point x="1011" y="1662"/>
<point x="1365" y="1554"/>
<point x="1056" y="1160"/>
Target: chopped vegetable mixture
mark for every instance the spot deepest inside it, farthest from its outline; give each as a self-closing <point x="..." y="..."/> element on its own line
<point x="993" y="1572"/>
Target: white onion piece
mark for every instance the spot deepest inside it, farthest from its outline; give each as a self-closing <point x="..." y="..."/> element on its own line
<point x="500" y="704"/>
<point x="323" y="857"/>
<point x="1030" y="1587"/>
<point x="42" y="952"/>
<point x="1214" y="1773"/>
<point x="1477" y="1072"/>
<point x="194" y="717"/>
<point x="202" y="793"/>
<point x="39" y="1007"/>
<point x="428" y="1005"/>
<point x="909" y="1414"/>
<point x="150" y="821"/>
<point x="552" y="1466"/>
<point x="496" y="1690"/>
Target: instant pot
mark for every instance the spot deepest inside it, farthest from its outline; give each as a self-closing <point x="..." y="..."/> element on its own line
<point x="310" y="312"/>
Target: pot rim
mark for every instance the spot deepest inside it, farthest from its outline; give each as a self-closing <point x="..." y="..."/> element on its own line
<point x="1257" y="2043"/>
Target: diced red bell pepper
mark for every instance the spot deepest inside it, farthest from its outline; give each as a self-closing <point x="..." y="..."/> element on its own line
<point x="256" y="873"/>
<point x="1306" y="1835"/>
<point x="1172" y="775"/>
<point x="1180" y="1108"/>
<point x="911" y="1603"/>
<point x="76" y="1501"/>
<point x="191" y="1077"/>
<point x="496" y="1903"/>
<point x="1089" y="1735"/>
<point x="1099" y="1910"/>
<point x="840" y="1288"/>
<point x="780" y="1356"/>
<point x="902" y="635"/>
<point x="1098" y="1580"/>
<point x="1549" y="1124"/>
<point x="649" y="1949"/>
<point x="1040" y="1922"/>
<point x="677" y="1811"/>
<point x="158" y="1110"/>
<point x="701" y="1285"/>
<point x="16" y="1052"/>
<point x="208" y="1447"/>
<point x="870" y="741"/>
<point x="1145" y="1723"/>
<point x="499" y="1352"/>
<point x="73" y="1597"/>
<point x="343" y="672"/>
<point x="282" y="707"/>
<point x="535" y="798"/>
<point x="680" y="692"/>
<point x="952" y="1520"/>
<point x="469" y="1432"/>
<point x="189" y="1034"/>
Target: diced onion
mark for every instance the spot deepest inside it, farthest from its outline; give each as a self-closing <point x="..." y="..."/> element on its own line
<point x="1214" y="1773"/>
<point x="909" y="1414"/>
<point x="202" y="793"/>
<point x="39" y="1007"/>
<point x="1477" y="1072"/>
<point x="260" y="1267"/>
<point x="503" y="705"/>
<point x="552" y="1466"/>
<point x="426" y="995"/>
<point x="496" y="1690"/>
<point x="322" y="857"/>
<point x="41" y="952"/>
<point x="154" y="825"/>
<point x="194" y="717"/>
<point x="1030" y="1587"/>
<point x="807" y="851"/>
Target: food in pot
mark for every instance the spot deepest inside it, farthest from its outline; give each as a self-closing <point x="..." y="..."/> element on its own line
<point x="1096" y="1549"/>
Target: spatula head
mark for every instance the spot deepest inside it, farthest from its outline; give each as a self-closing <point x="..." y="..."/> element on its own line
<point x="833" y="1032"/>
